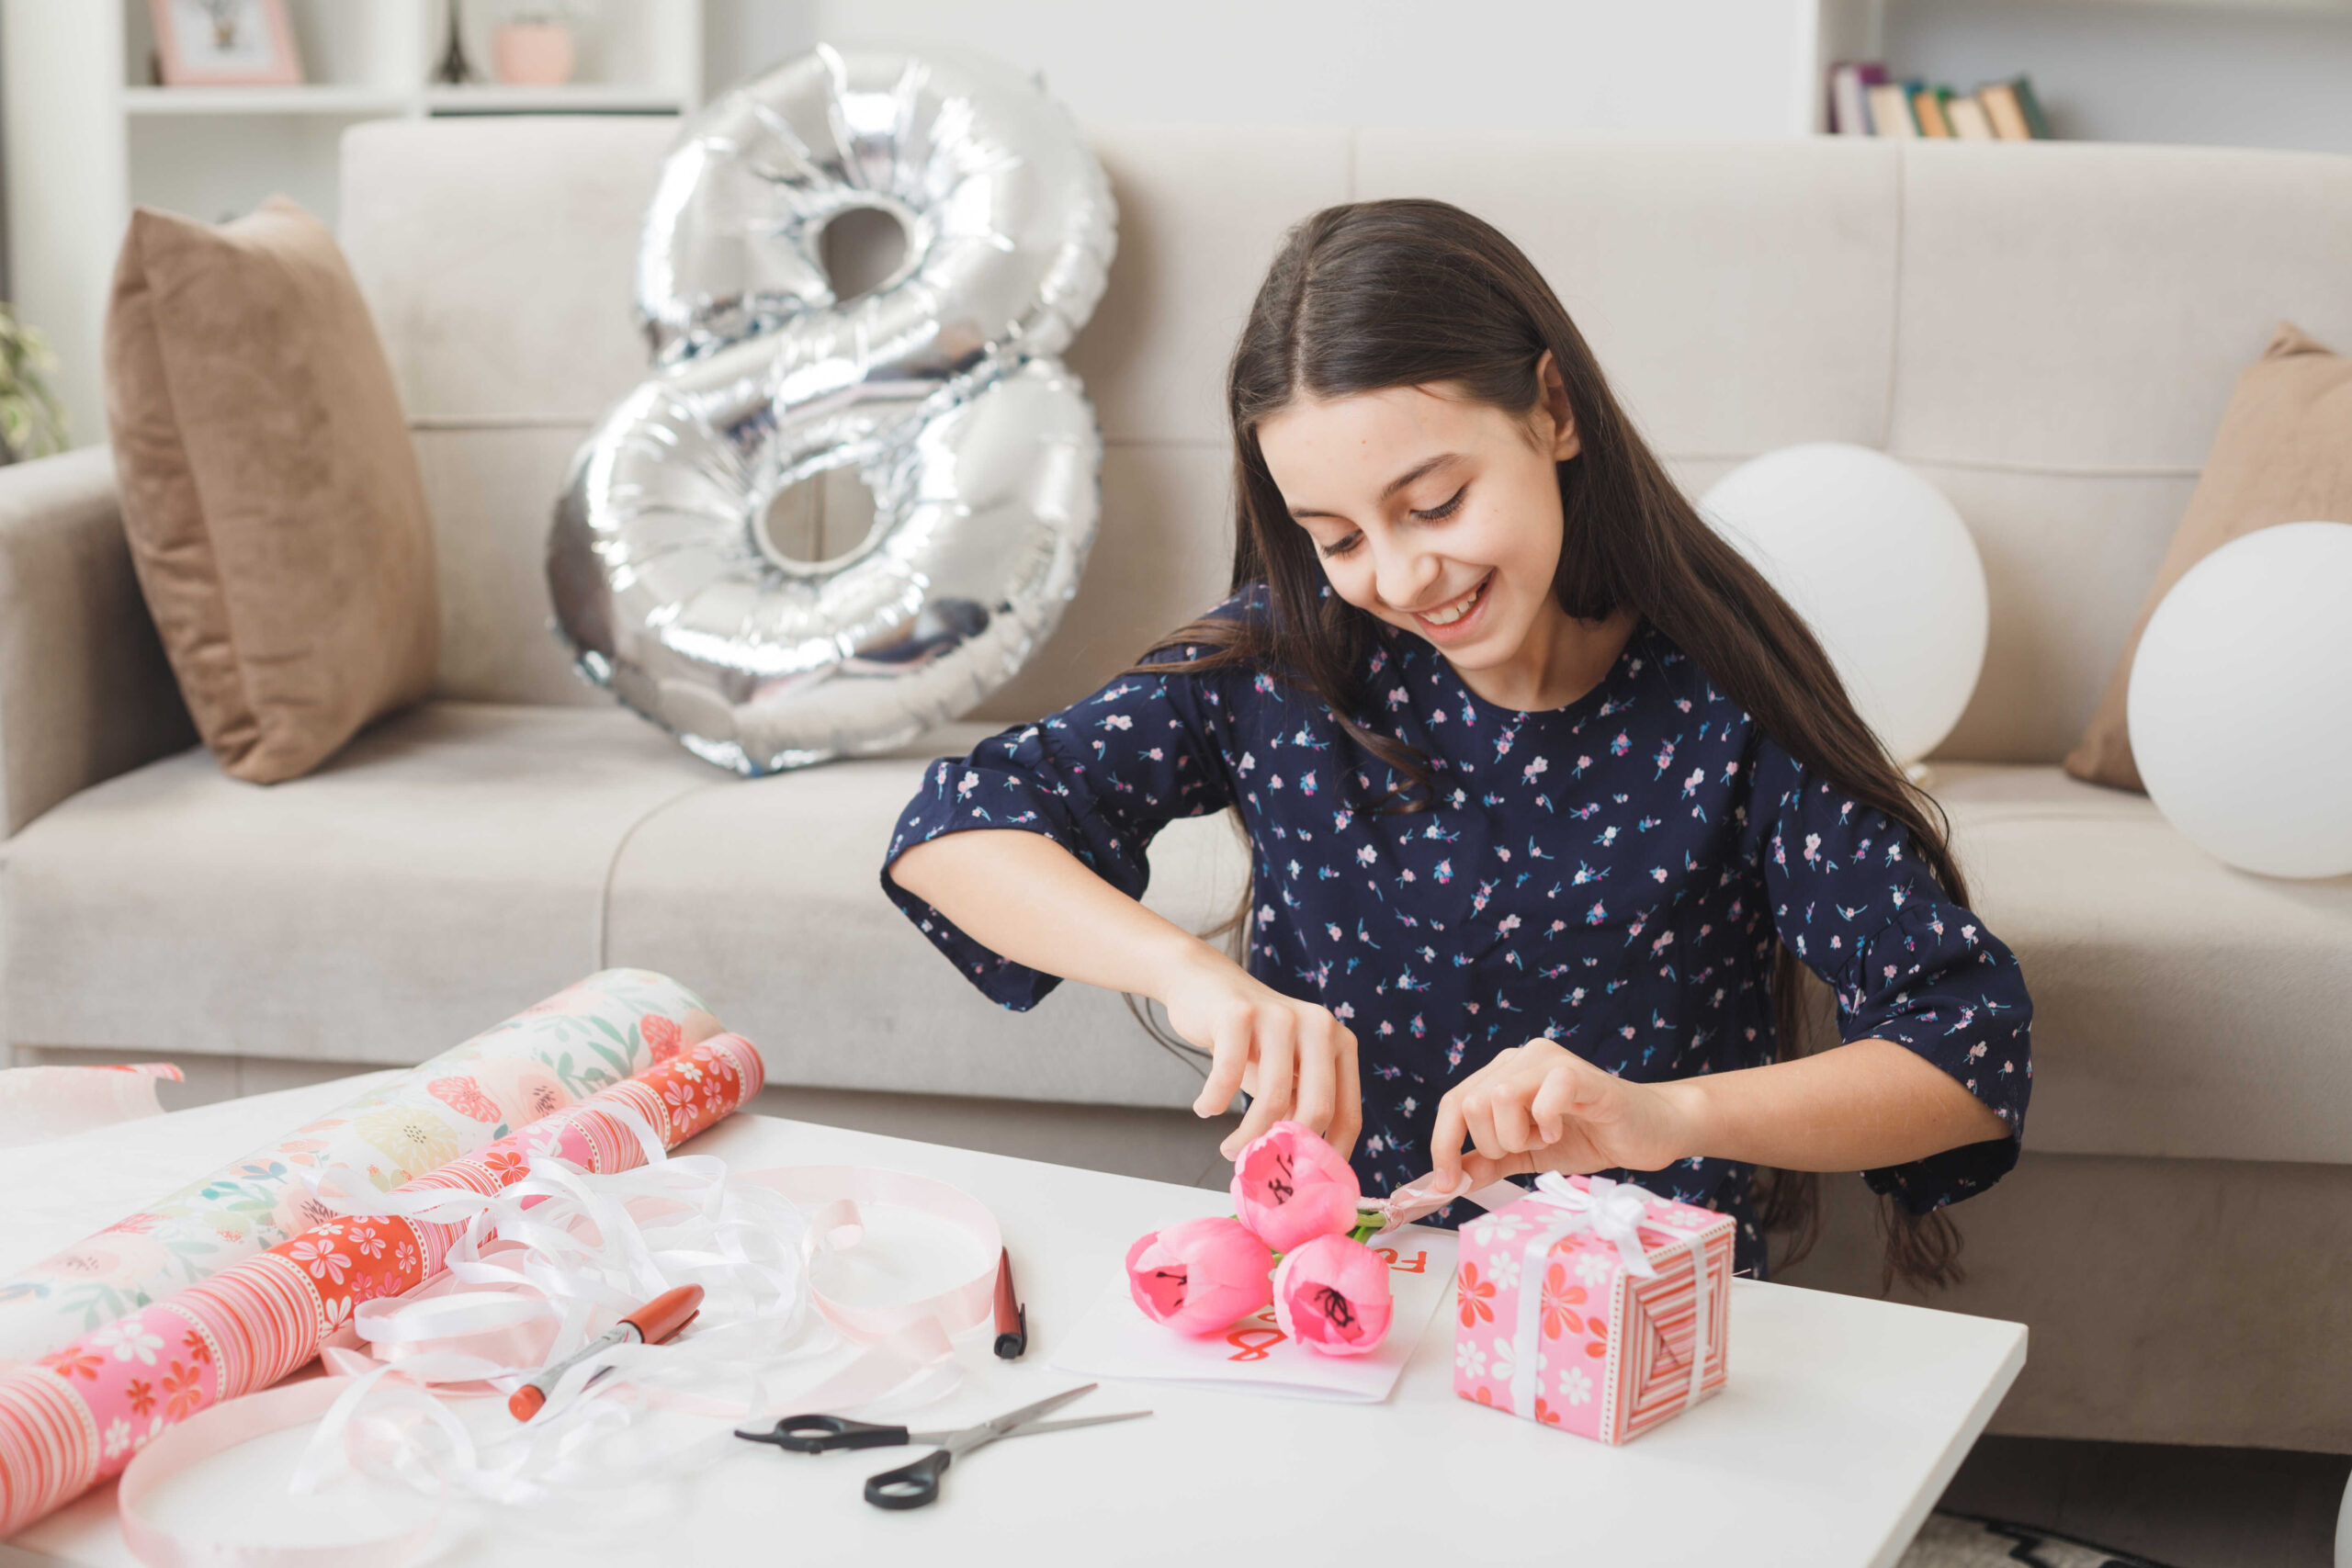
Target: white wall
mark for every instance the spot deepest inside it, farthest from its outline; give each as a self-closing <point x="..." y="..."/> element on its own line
<point x="2242" y="75"/>
<point x="1670" y="67"/>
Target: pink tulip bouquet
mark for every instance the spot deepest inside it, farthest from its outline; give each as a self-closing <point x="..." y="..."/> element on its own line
<point x="1295" y="1240"/>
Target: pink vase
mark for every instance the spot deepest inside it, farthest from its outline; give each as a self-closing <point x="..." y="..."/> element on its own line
<point x="532" y="54"/>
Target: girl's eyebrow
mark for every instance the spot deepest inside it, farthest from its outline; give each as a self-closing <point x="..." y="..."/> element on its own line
<point x="1417" y="472"/>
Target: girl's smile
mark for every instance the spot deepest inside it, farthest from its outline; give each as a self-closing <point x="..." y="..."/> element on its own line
<point x="1440" y="515"/>
<point x="1458" y="620"/>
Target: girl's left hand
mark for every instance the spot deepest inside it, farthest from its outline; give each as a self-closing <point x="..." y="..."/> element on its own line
<point x="1541" y="1107"/>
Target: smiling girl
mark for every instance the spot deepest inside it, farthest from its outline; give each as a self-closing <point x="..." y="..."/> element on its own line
<point x="1548" y="793"/>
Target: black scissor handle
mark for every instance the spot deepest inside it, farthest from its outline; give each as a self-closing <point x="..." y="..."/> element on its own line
<point x="909" y="1485"/>
<point x="820" y="1434"/>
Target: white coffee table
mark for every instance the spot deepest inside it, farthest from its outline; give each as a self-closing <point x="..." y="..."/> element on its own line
<point x="1841" y="1423"/>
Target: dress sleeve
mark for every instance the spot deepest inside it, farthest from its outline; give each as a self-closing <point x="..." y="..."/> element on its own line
<point x="1852" y="899"/>
<point x="1100" y="778"/>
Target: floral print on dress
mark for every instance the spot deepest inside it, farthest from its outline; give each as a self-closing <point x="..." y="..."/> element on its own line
<point x="1610" y="874"/>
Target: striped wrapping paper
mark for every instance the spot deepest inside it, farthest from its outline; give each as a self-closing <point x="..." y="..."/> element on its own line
<point x="1552" y="1325"/>
<point x="77" y="1416"/>
<point x="552" y="1055"/>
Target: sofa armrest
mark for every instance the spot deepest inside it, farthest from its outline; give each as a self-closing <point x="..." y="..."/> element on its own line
<point x="85" y="692"/>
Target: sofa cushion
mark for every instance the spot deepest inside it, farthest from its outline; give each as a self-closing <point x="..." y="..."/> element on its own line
<point x="2181" y="1008"/>
<point x="447" y="868"/>
<point x="765" y="897"/>
<point x="276" y="515"/>
<point x="463" y="859"/>
<point x="2283" y="455"/>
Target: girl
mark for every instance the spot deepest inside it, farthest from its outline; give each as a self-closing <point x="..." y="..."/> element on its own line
<point x="1547" y="792"/>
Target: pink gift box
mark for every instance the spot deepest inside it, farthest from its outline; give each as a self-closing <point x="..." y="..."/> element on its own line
<point x="1558" y="1322"/>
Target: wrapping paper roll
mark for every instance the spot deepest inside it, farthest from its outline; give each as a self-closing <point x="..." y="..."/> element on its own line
<point x="38" y="1104"/>
<point x="550" y="1055"/>
<point x="77" y="1416"/>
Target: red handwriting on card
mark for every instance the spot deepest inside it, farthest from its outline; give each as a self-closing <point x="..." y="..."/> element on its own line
<point x="1257" y="1340"/>
<point x="1254" y="1344"/>
<point x="1419" y="1264"/>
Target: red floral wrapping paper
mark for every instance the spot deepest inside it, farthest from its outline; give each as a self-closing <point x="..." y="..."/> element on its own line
<point x="77" y="1416"/>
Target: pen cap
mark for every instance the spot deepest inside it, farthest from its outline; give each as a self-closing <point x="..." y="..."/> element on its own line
<point x="666" y="1314"/>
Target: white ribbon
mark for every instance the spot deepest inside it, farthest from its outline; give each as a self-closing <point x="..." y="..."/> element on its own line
<point x="1613" y="1211"/>
<point x="567" y="1250"/>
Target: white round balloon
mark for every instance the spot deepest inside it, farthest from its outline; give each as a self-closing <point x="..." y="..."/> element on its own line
<point x="2240" y="705"/>
<point x="1880" y="566"/>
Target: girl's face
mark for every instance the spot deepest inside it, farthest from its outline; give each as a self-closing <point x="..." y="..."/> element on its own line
<point x="1437" y="513"/>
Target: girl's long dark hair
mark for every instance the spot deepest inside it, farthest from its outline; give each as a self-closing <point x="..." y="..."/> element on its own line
<point x="1381" y="294"/>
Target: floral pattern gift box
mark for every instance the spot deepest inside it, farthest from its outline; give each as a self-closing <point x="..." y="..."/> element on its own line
<point x="1594" y="1306"/>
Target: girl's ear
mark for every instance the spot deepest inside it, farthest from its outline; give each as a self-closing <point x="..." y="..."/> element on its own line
<point x="1565" y="442"/>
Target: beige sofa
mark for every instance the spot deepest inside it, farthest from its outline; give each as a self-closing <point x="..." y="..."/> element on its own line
<point x="2048" y="332"/>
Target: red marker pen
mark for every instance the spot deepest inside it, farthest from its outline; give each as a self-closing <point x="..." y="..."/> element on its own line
<point x="649" y="1324"/>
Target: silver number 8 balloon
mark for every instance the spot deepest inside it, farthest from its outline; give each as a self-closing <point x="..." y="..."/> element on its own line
<point x="940" y="388"/>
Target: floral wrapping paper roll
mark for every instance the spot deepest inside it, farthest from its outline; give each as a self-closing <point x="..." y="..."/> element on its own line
<point x="77" y="1415"/>
<point x="552" y="1055"/>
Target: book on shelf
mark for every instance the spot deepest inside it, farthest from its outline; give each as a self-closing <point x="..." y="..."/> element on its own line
<point x="1866" y="100"/>
<point x="1928" y="109"/>
<point x="2015" y="112"/>
<point x="1890" y="111"/>
<point x="1849" y="84"/>
<point x="1969" y="121"/>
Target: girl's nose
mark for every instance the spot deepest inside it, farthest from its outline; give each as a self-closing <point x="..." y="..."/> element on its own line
<point x="1404" y="576"/>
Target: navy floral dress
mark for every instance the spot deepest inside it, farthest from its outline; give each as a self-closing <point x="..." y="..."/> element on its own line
<point x="1610" y="874"/>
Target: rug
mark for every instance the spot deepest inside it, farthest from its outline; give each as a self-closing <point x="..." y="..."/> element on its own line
<point x="1957" y="1541"/>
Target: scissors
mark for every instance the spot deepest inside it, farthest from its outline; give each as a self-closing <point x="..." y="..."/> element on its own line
<point x="912" y="1486"/>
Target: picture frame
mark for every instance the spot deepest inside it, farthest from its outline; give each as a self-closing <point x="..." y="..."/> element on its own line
<point x="225" y="43"/>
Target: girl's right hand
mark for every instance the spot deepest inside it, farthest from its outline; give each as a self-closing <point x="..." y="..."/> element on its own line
<point x="1296" y="1061"/>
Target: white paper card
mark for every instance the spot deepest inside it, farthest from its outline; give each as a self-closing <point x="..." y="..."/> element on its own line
<point x="1115" y="1340"/>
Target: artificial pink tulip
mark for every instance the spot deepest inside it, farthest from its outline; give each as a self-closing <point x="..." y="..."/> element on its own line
<point x="1331" y="1295"/>
<point x="1289" y="1187"/>
<point x="1201" y="1275"/>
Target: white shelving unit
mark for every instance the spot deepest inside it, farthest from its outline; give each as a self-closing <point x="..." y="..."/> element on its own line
<point x="88" y="134"/>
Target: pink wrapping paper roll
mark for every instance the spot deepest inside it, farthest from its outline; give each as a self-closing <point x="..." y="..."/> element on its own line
<point x="551" y="1054"/>
<point x="77" y="1416"/>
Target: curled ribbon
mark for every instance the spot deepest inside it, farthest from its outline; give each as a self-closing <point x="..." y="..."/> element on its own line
<point x="546" y="1263"/>
<point x="1613" y="1211"/>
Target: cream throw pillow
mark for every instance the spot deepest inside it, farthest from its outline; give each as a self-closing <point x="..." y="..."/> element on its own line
<point x="2283" y="455"/>
<point x="271" y="495"/>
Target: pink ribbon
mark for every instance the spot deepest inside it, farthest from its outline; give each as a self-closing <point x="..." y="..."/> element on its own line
<point x="222" y="1428"/>
<point x="1417" y="1200"/>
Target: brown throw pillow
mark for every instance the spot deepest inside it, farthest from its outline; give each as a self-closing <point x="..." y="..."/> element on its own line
<point x="2283" y="455"/>
<point x="276" y="514"/>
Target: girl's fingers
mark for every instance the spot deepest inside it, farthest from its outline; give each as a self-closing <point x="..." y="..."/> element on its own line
<point x="1482" y="1171"/>
<point x="1347" y="1115"/>
<point x="1318" y="1072"/>
<point x="1276" y="1050"/>
<point x="1506" y="1113"/>
<point x="1445" y="1139"/>
<point x="1556" y="1099"/>
<point x="1229" y="1059"/>
<point x="1478" y="1118"/>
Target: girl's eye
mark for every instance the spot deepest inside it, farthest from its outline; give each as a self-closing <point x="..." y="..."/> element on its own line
<point x="1445" y="509"/>
<point x="1342" y="548"/>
